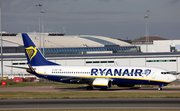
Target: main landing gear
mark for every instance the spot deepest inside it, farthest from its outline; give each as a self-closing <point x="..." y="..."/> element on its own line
<point x="89" y="87"/>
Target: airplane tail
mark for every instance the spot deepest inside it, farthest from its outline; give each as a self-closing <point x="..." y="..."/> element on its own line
<point x="33" y="55"/>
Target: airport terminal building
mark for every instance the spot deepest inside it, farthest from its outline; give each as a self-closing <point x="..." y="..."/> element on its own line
<point x="84" y="50"/>
<point x="74" y="44"/>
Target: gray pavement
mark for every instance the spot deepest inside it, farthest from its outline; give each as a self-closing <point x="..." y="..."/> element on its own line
<point x="119" y="103"/>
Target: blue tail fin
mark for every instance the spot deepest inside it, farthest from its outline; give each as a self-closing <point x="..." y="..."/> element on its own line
<point x="34" y="56"/>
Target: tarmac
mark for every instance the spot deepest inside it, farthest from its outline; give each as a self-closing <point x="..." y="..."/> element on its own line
<point x="99" y="103"/>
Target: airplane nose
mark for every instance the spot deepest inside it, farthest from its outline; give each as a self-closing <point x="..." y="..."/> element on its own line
<point x="172" y="78"/>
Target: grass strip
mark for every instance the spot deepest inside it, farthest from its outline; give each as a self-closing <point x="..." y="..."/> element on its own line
<point x="69" y="95"/>
<point x="93" y="110"/>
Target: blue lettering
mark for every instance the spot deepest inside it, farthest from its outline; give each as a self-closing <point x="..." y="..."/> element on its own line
<point x="101" y="71"/>
<point x="94" y="71"/>
<point x="138" y="71"/>
<point x="109" y="72"/>
<point x="117" y="72"/>
<point x="126" y="72"/>
<point x="132" y="70"/>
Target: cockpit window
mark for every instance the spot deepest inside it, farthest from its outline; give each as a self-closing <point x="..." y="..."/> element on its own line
<point x="165" y="73"/>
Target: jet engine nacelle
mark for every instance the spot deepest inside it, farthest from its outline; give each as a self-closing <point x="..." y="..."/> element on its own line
<point x="102" y="83"/>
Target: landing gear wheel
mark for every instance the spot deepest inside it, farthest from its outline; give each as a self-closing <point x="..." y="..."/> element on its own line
<point x="159" y="89"/>
<point x="89" y="88"/>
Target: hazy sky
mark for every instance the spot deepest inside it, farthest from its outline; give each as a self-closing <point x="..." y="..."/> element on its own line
<point x="111" y="18"/>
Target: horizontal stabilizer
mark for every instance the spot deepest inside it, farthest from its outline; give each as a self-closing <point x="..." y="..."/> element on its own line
<point x="17" y="67"/>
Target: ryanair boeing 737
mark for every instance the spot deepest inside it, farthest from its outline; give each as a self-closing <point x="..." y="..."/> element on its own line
<point x="95" y="76"/>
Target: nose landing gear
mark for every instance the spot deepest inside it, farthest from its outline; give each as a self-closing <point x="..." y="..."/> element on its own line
<point x="161" y="85"/>
<point x="159" y="89"/>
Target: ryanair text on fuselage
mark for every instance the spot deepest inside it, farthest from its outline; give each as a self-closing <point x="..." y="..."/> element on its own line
<point x="119" y="72"/>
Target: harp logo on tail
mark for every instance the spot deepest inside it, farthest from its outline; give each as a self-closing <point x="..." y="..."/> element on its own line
<point x="31" y="52"/>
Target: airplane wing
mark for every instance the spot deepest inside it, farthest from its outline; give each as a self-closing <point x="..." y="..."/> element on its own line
<point x="77" y="79"/>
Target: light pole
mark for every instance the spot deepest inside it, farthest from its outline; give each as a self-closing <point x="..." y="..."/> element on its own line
<point x="39" y="5"/>
<point x="43" y="28"/>
<point x="1" y="43"/>
<point x="147" y="30"/>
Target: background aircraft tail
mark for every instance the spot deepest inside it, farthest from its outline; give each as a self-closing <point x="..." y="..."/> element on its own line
<point x="33" y="55"/>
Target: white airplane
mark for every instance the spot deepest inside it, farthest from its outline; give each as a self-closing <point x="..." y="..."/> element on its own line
<point x="95" y="76"/>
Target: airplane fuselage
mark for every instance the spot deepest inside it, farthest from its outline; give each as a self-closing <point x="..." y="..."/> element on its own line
<point x="118" y="74"/>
